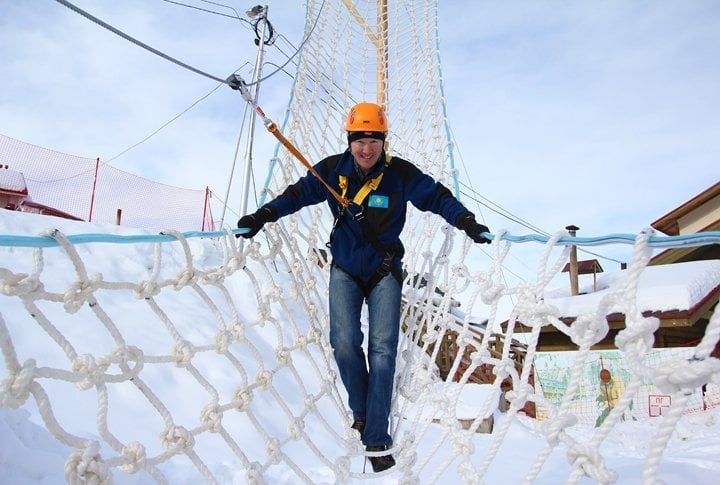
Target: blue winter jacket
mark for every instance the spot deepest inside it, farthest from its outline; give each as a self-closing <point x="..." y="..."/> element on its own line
<point x="385" y="208"/>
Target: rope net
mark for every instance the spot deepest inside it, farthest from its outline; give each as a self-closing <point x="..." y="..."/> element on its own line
<point x="217" y="349"/>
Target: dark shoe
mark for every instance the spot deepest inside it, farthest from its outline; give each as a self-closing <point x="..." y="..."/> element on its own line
<point x="380" y="463"/>
<point x="358" y="426"/>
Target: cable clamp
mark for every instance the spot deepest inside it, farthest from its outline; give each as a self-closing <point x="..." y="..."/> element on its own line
<point x="237" y="83"/>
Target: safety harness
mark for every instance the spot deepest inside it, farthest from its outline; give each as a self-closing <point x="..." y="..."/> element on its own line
<point x="355" y="210"/>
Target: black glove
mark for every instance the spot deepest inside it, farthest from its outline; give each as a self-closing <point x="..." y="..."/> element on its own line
<point x="466" y="222"/>
<point x="256" y="221"/>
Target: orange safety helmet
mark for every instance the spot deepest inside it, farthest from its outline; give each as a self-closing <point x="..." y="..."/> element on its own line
<point x="366" y="117"/>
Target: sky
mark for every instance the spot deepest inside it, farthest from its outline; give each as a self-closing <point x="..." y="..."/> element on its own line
<point x="29" y="454"/>
<point x="599" y="114"/>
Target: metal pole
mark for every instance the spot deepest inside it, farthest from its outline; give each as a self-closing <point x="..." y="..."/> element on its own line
<point x="251" y="134"/>
<point x="92" y="194"/>
<point x="574" y="283"/>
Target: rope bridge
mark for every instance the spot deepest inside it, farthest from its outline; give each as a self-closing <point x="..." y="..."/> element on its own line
<point x="216" y="349"/>
<point x="220" y="357"/>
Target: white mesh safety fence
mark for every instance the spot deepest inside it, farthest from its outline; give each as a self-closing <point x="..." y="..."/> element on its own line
<point x="217" y="350"/>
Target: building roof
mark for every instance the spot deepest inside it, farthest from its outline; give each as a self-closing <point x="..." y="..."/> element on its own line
<point x="12" y="183"/>
<point x="681" y="296"/>
<point x="589" y="266"/>
<point x="668" y="224"/>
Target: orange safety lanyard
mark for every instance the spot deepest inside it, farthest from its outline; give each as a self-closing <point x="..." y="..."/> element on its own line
<point x="272" y="128"/>
<point x="235" y="82"/>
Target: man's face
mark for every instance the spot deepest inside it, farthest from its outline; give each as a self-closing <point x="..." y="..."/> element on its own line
<point x="367" y="152"/>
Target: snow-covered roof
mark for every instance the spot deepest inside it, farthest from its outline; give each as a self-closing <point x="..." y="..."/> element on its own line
<point x="12" y="182"/>
<point x="678" y="286"/>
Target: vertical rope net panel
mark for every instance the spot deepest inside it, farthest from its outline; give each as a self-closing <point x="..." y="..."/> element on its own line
<point x="217" y="350"/>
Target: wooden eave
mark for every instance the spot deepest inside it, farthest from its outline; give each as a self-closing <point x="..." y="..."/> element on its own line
<point x="15" y="193"/>
<point x="668" y="224"/>
<point x="674" y="255"/>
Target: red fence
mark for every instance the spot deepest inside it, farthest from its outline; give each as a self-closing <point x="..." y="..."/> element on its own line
<point x="95" y="191"/>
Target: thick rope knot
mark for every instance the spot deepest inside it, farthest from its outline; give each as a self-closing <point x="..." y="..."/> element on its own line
<point x="520" y="394"/>
<point x="531" y="311"/>
<point x="420" y="380"/>
<point x="177" y="439"/>
<point x="327" y="386"/>
<point x="146" y="290"/>
<point x="263" y="380"/>
<point x="87" y="467"/>
<point x="238" y="331"/>
<point x="185" y="277"/>
<point x="489" y="291"/>
<point x="135" y="457"/>
<point x="535" y="314"/>
<point x="234" y="263"/>
<point x="310" y="404"/>
<point x="254" y="473"/>
<point x="211" y="416"/>
<point x="479" y="357"/>
<point x="554" y="427"/>
<point x="314" y="334"/>
<point x="407" y="457"/>
<point x="283" y="357"/>
<point x="301" y="342"/>
<point x="130" y="356"/>
<point x="342" y="469"/>
<point x="467" y="472"/>
<point x="20" y="284"/>
<point x="430" y="336"/>
<point x="591" y="462"/>
<point x="90" y="370"/>
<point x="79" y="292"/>
<point x="296" y="428"/>
<point x="243" y="398"/>
<point x="461" y="441"/>
<point x="223" y="339"/>
<point x="273" y="452"/>
<point x="589" y="329"/>
<point x="504" y="369"/>
<point x="15" y="388"/>
<point x="310" y="283"/>
<point x="274" y="294"/>
<point x="183" y="352"/>
<point x="638" y="334"/>
<point x="686" y="375"/>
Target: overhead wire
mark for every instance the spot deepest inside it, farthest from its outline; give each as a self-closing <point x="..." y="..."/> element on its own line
<point x="181" y="4"/>
<point x="164" y="125"/>
<point x="230" y="80"/>
<point x="221" y="82"/>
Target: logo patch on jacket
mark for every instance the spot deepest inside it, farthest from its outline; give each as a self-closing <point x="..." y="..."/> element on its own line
<point x="380" y="201"/>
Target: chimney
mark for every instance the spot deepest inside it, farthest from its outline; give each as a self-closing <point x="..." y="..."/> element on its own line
<point x="574" y="284"/>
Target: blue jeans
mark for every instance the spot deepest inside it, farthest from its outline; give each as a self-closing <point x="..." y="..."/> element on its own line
<point x="370" y="387"/>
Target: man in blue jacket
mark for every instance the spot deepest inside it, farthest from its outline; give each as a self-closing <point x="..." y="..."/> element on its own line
<point x="366" y="258"/>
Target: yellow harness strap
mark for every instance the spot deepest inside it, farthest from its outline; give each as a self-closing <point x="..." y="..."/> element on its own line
<point x="367" y="187"/>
